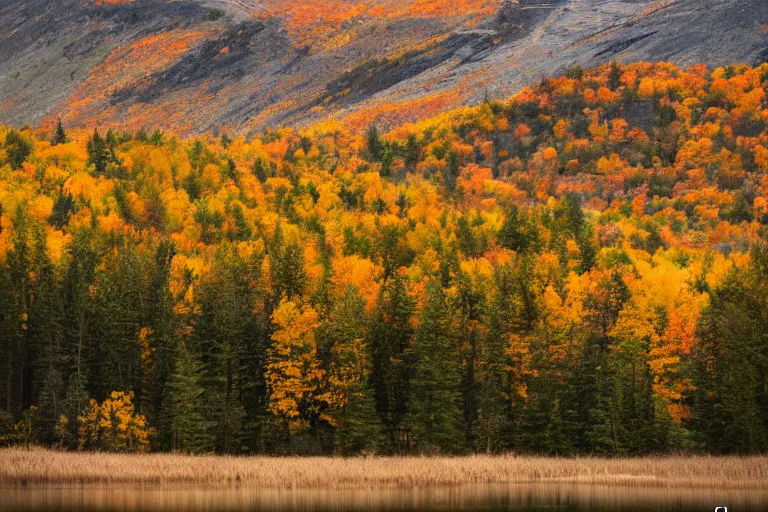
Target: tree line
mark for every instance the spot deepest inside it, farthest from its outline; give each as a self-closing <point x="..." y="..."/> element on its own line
<point x="537" y="276"/>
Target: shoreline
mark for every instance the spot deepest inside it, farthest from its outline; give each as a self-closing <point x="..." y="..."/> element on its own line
<point x="41" y="468"/>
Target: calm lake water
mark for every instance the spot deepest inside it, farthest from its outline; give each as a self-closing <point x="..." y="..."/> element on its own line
<point x="539" y="497"/>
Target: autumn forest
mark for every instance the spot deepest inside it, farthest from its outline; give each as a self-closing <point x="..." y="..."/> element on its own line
<point x="579" y="269"/>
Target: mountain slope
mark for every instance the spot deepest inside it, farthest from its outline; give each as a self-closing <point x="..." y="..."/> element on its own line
<point x="239" y="65"/>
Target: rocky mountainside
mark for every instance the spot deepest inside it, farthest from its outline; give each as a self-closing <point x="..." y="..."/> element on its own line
<point x="241" y="65"/>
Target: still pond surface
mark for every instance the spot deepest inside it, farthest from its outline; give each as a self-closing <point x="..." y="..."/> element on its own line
<point x="522" y="498"/>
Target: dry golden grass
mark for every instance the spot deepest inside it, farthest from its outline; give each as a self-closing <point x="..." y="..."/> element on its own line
<point x="43" y="467"/>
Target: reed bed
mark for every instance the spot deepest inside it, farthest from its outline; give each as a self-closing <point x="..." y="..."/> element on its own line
<point x="28" y="467"/>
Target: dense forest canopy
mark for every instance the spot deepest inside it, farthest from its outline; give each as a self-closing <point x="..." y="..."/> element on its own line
<point x="579" y="269"/>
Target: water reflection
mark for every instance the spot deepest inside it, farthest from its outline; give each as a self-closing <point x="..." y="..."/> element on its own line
<point x="539" y="497"/>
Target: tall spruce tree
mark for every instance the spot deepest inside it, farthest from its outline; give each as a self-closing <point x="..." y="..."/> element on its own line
<point x="46" y="339"/>
<point x="227" y="339"/>
<point x="191" y="432"/>
<point x="59" y="136"/>
<point x="391" y="334"/>
<point x="435" y="414"/>
<point x="81" y="261"/>
<point x="20" y="270"/>
<point x="162" y="341"/>
<point x="470" y="310"/>
<point x="495" y="393"/>
<point x="97" y="152"/>
<point x="358" y="428"/>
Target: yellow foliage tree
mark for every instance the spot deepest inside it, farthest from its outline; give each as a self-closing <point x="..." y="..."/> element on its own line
<point x="114" y="426"/>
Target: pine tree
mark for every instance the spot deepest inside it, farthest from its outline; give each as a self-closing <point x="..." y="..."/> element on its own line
<point x="412" y="152"/>
<point x="20" y="269"/>
<point x="81" y="262"/>
<point x="118" y="356"/>
<point x="614" y="77"/>
<point x="60" y="136"/>
<point x="163" y="343"/>
<point x="639" y="431"/>
<point x="555" y="435"/>
<point x="46" y="338"/>
<point x="604" y="401"/>
<point x="260" y="169"/>
<point x="495" y="394"/>
<point x="76" y="401"/>
<point x="386" y="162"/>
<point x="375" y="146"/>
<point x="225" y="335"/>
<point x="352" y="407"/>
<point x="50" y="403"/>
<point x="435" y="411"/>
<point x="18" y="148"/>
<point x="602" y="422"/>
<point x="286" y="267"/>
<point x="451" y="172"/>
<point x="470" y="316"/>
<point x="191" y="431"/>
<point x="102" y="152"/>
<point x="97" y="153"/>
<point x="7" y="333"/>
<point x="155" y="139"/>
<point x="392" y="367"/>
<point x="518" y="232"/>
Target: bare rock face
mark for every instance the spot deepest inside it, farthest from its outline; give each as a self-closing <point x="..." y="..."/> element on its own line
<point x="240" y="65"/>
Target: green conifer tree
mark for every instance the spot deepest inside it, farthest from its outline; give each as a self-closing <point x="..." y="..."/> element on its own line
<point x="59" y="136"/>
<point x="435" y="410"/>
<point x="353" y="409"/>
<point x="97" y="152"/>
<point x="191" y="431"/>
<point x="391" y="335"/>
<point x="46" y="338"/>
<point x="17" y="148"/>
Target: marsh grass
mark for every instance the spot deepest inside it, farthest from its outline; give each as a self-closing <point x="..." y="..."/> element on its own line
<point x="28" y="467"/>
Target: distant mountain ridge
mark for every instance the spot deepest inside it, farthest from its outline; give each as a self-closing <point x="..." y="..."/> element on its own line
<point x="240" y="65"/>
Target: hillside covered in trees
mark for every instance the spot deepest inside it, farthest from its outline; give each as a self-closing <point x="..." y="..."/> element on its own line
<point x="580" y="269"/>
